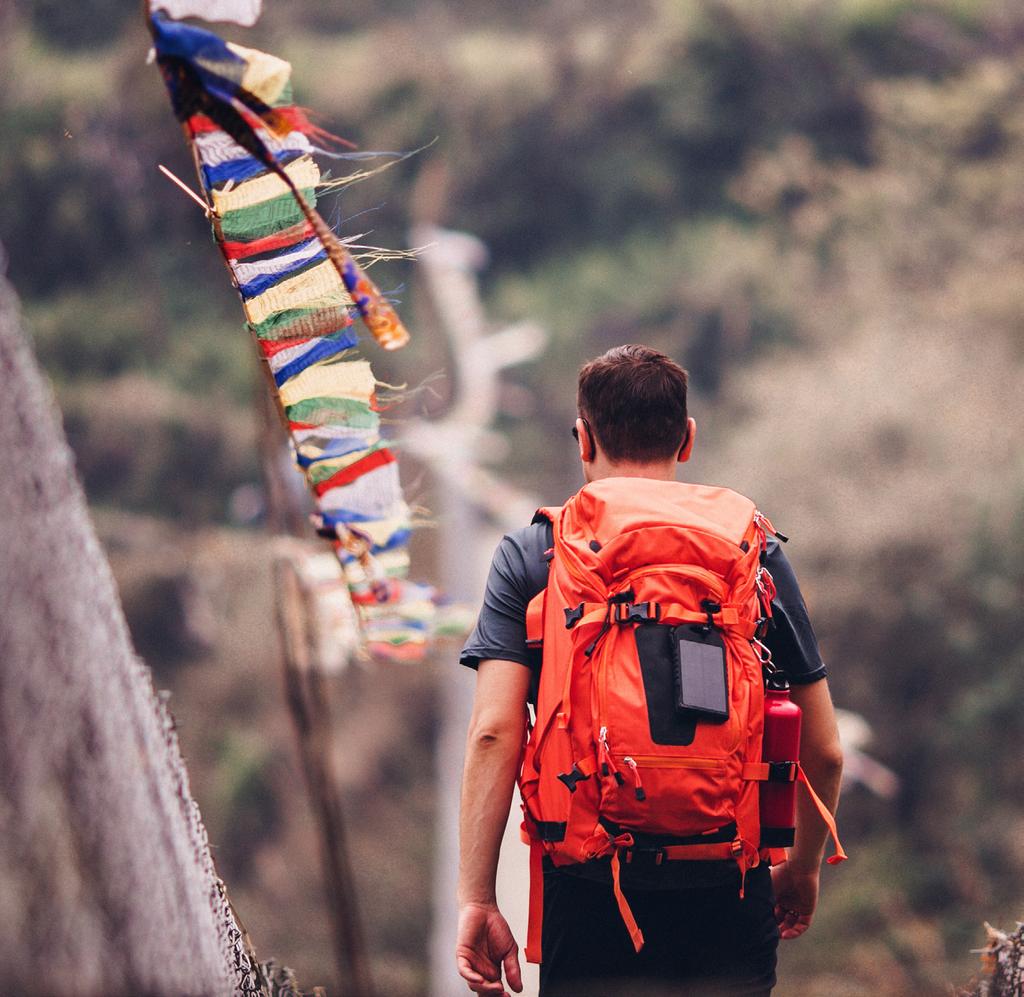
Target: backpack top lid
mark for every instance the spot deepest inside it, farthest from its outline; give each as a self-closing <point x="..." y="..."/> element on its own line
<point x="609" y="507"/>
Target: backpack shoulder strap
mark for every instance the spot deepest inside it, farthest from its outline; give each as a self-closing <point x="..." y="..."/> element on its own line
<point x="535" y="619"/>
<point x="535" y="609"/>
<point x="547" y="514"/>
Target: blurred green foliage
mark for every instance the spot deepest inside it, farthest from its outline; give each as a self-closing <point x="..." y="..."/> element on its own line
<point x="247" y="805"/>
<point x="817" y="206"/>
<point x="77" y="26"/>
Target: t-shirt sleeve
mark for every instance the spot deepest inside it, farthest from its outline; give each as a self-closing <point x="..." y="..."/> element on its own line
<point x="518" y="572"/>
<point x="790" y="635"/>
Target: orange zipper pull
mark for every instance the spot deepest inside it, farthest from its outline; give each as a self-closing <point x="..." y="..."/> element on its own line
<point x="764" y="524"/>
<point x="608" y="766"/>
<point x="640" y="794"/>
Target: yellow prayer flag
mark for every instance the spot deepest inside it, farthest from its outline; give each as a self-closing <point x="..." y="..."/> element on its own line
<point x="345" y="379"/>
<point x="303" y="171"/>
<point x="266" y="75"/>
<point x="320" y="286"/>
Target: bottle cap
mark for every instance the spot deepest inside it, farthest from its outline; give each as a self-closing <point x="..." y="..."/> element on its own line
<point x="777" y="682"/>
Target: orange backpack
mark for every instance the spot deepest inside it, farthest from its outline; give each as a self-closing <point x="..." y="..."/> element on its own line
<point x="610" y="756"/>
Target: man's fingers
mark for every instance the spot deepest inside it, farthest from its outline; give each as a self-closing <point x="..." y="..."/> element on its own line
<point x="485" y="978"/>
<point x="479" y="973"/>
<point x="466" y="971"/>
<point x="486" y="989"/>
<point x="792" y="924"/>
<point x="513" y="973"/>
<point x="477" y="983"/>
<point x="787" y="934"/>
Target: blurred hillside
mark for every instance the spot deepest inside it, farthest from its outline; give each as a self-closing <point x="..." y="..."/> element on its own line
<point x="817" y="207"/>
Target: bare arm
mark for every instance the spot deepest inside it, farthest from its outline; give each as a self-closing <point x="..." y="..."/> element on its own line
<point x="492" y="755"/>
<point x="821" y="757"/>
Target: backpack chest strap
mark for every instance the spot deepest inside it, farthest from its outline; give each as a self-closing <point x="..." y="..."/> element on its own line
<point x="728" y="617"/>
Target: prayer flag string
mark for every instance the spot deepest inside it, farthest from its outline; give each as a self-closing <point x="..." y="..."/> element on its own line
<point x="299" y="286"/>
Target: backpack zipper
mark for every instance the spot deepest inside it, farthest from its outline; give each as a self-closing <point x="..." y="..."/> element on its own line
<point x="636" y="762"/>
<point x="672" y="762"/>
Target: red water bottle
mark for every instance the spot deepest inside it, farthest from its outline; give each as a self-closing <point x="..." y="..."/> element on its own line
<point x="781" y="750"/>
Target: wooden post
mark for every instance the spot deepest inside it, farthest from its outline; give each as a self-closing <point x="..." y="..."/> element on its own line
<point x="309" y="704"/>
<point x="307" y="696"/>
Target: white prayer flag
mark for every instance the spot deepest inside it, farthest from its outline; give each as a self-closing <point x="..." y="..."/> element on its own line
<point x="244" y="12"/>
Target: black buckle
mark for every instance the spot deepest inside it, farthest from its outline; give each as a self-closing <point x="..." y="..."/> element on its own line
<point x="550" y="830"/>
<point x="782" y="771"/>
<point x="573" y="616"/>
<point x="653" y="854"/>
<point x="710" y="607"/>
<point x="637" y="612"/>
<point x="572" y="777"/>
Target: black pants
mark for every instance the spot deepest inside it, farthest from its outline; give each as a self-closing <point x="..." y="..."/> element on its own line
<point x="699" y="941"/>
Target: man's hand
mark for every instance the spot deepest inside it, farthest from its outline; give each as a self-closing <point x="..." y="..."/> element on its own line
<point x="484" y="945"/>
<point x="796" y="896"/>
<point x="821" y="757"/>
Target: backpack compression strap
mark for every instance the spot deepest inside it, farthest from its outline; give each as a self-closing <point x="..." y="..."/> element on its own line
<point x="826" y="816"/>
<point x="761" y="772"/>
<point x="635" y="934"/>
<point x="536" y="915"/>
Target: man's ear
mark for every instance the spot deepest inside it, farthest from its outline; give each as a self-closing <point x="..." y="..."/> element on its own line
<point x="586" y="441"/>
<point x="687" y="448"/>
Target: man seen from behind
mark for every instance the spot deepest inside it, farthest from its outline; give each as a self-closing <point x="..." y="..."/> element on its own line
<point x="709" y="926"/>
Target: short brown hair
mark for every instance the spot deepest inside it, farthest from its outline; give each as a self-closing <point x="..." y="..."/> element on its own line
<point x="634" y="399"/>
